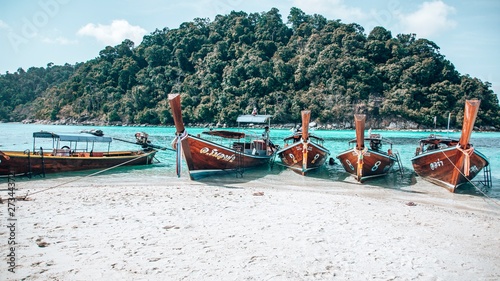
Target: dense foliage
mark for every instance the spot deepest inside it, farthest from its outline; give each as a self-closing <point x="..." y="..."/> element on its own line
<point x="240" y="61"/>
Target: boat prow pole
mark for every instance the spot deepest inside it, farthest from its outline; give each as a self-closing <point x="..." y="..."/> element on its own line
<point x="470" y="114"/>
<point x="359" y="120"/>
<point x="181" y="134"/>
<point x="175" y="106"/>
<point x="306" y="118"/>
<point x="465" y="150"/>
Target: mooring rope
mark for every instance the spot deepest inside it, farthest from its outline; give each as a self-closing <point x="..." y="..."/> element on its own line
<point x="467" y="153"/>
<point x="93" y="174"/>
<point x="360" y="153"/>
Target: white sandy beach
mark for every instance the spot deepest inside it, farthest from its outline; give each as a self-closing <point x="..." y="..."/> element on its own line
<point x="120" y="227"/>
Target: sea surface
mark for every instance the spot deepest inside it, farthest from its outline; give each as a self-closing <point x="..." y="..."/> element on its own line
<point x="17" y="136"/>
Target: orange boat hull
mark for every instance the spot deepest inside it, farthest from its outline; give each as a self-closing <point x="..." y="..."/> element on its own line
<point x="374" y="164"/>
<point x="19" y="163"/>
<point x="209" y="157"/>
<point x="293" y="157"/>
<point x="442" y="167"/>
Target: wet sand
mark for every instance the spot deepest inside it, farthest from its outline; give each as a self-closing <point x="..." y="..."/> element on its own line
<point x="277" y="227"/>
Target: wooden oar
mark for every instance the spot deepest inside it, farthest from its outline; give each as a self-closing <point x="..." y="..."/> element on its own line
<point x="359" y="120"/>
<point x="145" y="144"/>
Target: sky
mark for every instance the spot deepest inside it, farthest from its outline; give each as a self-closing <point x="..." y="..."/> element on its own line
<point x="39" y="32"/>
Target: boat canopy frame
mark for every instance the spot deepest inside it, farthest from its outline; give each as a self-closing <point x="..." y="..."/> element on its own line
<point x="72" y="138"/>
<point x="375" y="140"/>
<point x="258" y="118"/>
<point x="297" y="136"/>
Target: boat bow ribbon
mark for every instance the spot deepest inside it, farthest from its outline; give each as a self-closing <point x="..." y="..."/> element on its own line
<point x="467" y="153"/>
<point x="176" y="144"/>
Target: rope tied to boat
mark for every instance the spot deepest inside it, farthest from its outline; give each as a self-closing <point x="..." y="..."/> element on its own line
<point x="360" y="153"/>
<point x="7" y="157"/>
<point x="304" y="147"/>
<point x="177" y="145"/>
<point x="93" y="174"/>
<point x="467" y="153"/>
<point x="472" y="183"/>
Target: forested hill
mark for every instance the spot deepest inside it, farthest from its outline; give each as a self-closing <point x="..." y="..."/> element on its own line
<point x="239" y="61"/>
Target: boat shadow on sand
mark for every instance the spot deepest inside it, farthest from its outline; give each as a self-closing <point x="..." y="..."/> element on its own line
<point x="393" y="180"/>
<point x="231" y="178"/>
<point x="336" y="173"/>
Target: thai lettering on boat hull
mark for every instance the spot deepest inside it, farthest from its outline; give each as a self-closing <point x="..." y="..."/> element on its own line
<point x="218" y="155"/>
<point x="436" y="164"/>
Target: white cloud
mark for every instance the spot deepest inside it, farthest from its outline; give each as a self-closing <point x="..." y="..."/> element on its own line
<point x="115" y="33"/>
<point x="432" y="18"/>
<point x="331" y="9"/>
<point x="59" y="41"/>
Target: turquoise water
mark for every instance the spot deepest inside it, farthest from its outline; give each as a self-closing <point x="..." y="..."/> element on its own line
<point x="16" y="136"/>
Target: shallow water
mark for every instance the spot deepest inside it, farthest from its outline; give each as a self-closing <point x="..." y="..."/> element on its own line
<point x="16" y="136"/>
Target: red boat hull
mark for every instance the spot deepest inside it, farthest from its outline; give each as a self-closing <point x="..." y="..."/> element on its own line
<point x="303" y="157"/>
<point x="208" y="157"/>
<point x="447" y="162"/>
<point x="18" y="163"/>
<point x="374" y="164"/>
<point x="446" y="167"/>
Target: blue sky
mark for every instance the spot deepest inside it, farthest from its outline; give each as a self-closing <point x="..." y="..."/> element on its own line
<point x="35" y="33"/>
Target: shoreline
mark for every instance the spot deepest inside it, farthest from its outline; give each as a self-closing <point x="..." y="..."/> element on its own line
<point x="275" y="126"/>
<point x="264" y="228"/>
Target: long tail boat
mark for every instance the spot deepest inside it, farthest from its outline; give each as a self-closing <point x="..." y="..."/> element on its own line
<point x="450" y="162"/>
<point x="302" y="151"/>
<point x="71" y="152"/>
<point x="220" y="150"/>
<point x="364" y="162"/>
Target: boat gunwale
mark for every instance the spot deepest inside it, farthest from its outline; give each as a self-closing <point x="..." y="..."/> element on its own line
<point x="301" y="142"/>
<point x="227" y="148"/>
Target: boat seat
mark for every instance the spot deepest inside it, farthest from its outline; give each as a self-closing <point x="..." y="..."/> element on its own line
<point x="61" y="152"/>
<point x="238" y="146"/>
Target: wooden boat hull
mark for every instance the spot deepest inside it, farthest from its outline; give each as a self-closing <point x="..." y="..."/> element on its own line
<point x="439" y="167"/>
<point x="204" y="157"/>
<point x="19" y="163"/>
<point x="302" y="157"/>
<point x="208" y="157"/>
<point x="447" y="162"/>
<point x="374" y="164"/>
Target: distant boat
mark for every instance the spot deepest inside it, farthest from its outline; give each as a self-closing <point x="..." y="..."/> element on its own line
<point x="303" y="152"/>
<point x="448" y="162"/>
<point x="365" y="162"/>
<point x="72" y="152"/>
<point x="221" y="150"/>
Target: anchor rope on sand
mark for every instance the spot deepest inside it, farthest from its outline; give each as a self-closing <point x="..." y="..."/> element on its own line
<point x="477" y="188"/>
<point x="93" y="174"/>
